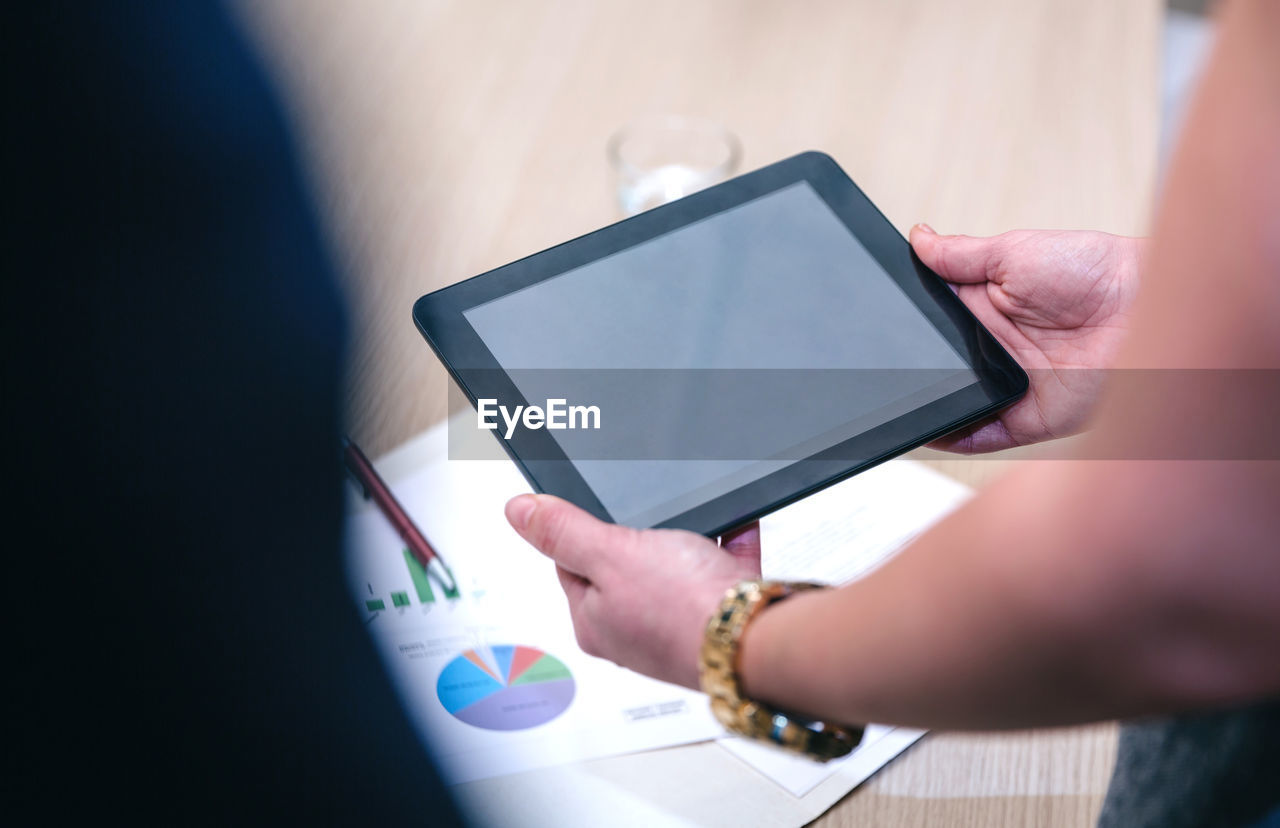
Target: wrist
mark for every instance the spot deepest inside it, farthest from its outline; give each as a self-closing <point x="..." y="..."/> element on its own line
<point x="765" y="651"/>
<point x="720" y="671"/>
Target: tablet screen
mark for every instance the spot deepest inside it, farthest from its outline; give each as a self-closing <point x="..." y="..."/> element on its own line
<point x="778" y="282"/>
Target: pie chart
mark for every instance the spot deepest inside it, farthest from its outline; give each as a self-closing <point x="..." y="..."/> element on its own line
<point x="505" y="687"/>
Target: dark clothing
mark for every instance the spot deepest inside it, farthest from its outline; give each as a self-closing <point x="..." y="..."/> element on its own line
<point x="1219" y="770"/>
<point x="186" y="648"/>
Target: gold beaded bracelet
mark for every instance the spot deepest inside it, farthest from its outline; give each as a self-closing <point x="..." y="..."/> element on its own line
<point x="718" y="674"/>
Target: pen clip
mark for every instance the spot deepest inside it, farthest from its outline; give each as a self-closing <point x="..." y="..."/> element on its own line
<point x="365" y="492"/>
<point x="348" y="449"/>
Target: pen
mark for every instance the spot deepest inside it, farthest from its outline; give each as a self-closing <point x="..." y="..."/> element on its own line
<point x="374" y="487"/>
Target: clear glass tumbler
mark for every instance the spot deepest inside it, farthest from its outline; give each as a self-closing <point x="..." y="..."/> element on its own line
<point x="668" y="157"/>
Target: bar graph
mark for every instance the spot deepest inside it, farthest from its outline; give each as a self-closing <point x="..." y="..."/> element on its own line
<point x="426" y="588"/>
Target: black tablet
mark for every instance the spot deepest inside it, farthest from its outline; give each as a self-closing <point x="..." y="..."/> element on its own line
<point x="713" y="359"/>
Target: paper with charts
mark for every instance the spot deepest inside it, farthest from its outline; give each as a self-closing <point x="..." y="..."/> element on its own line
<point x="491" y="674"/>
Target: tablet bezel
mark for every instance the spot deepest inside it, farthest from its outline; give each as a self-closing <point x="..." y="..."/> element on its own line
<point x="439" y="317"/>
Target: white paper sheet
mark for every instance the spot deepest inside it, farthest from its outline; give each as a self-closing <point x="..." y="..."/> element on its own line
<point x="843" y="533"/>
<point x="798" y="775"/>
<point x="457" y="661"/>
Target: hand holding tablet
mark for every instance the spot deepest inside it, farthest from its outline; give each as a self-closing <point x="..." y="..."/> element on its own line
<point x="739" y="348"/>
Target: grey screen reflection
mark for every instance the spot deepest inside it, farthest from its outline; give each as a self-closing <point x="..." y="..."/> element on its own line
<point x="775" y="283"/>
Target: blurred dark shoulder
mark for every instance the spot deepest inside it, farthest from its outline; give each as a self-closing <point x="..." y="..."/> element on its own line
<point x="186" y="647"/>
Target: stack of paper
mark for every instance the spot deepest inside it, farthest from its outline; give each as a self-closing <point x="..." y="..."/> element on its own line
<point x="520" y="720"/>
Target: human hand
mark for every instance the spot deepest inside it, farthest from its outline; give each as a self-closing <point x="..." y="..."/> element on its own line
<point x="638" y="598"/>
<point x="1059" y="303"/>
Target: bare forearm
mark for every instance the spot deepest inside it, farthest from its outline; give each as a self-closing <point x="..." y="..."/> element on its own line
<point x="1011" y="614"/>
<point x="968" y="628"/>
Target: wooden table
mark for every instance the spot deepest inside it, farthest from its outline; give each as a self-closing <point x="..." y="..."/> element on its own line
<point x="447" y="137"/>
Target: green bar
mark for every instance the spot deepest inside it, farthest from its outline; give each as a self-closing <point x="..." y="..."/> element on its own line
<point x="419" y="575"/>
<point x="375" y="605"/>
<point x="399" y="599"/>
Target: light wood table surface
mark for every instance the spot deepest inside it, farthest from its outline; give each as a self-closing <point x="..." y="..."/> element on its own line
<point x="447" y="137"/>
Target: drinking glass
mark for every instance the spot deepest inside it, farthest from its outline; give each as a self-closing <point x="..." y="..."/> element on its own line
<point x="668" y="157"/>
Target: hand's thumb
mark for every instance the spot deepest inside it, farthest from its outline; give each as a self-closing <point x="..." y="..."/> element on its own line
<point x="964" y="259"/>
<point x="564" y="532"/>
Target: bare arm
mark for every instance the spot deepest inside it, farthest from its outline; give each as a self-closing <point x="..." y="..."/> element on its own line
<point x="1094" y="589"/>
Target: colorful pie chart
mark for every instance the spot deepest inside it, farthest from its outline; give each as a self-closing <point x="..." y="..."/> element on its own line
<point x="505" y="687"/>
